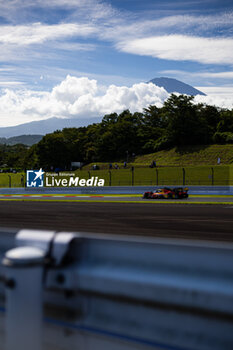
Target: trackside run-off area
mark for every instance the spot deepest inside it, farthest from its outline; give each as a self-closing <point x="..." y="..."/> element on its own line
<point x="119" y="198"/>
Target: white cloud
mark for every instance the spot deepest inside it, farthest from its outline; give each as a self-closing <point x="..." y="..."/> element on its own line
<point x="6" y="69"/>
<point x="225" y="92"/>
<point x="72" y="88"/>
<point x="182" y="48"/>
<point x="38" y="33"/>
<point x="76" y="97"/>
<point x="220" y="75"/>
<point x="74" y="46"/>
<point x="184" y="23"/>
<point x="209" y="74"/>
<point x="169" y="25"/>
<point x="10" y="83"/>
<point x="82" y="97"/>
<point x="215" y="100"/>
<point x="81" y="10"/>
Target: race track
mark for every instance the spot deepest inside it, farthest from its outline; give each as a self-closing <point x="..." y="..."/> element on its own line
<point x="199" y="221"/>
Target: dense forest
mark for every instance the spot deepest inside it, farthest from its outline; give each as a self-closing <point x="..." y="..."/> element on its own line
<point x="178" y="123"/>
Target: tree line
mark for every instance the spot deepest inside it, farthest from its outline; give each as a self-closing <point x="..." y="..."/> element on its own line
<point x="178" y="123"/>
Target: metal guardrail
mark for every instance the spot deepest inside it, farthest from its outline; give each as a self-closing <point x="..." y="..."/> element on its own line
<point x="105" y="292"/>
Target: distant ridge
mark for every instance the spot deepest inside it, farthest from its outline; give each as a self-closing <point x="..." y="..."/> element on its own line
<point x="27" y="140"/>
<point x="174" y="85"/>
<point x="43" y="127"/>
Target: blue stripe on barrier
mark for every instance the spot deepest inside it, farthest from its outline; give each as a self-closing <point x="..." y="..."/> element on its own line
<point x="2" y="309"/>
<point x="115" y="335"/>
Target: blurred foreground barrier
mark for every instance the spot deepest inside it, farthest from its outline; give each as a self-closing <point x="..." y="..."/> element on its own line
<point x="95" y="292"/>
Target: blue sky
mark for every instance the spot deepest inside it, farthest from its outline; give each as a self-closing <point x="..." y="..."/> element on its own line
<point x="120" y="42"/>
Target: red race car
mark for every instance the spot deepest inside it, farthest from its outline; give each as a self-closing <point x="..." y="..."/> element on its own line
<point x="170" y="193"/>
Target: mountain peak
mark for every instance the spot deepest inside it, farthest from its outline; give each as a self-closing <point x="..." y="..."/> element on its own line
<point x="173" y="85"/>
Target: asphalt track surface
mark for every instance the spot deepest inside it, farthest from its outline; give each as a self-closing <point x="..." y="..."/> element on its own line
<point x="199" y="221"/>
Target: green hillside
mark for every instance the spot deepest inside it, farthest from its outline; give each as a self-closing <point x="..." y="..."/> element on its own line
<point x="190" y="155"/>
<point x="190" y="165"/>
<point x="185" y="156"/>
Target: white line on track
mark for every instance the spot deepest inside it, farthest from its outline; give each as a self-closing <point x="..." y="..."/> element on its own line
<point x="13" y="195"/>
